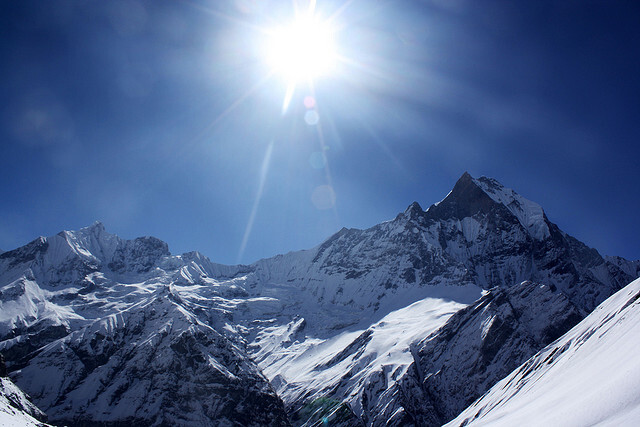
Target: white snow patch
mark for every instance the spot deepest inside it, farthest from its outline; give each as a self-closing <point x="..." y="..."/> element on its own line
<point x="470" y="228"/>
<point x="304" y="367"/>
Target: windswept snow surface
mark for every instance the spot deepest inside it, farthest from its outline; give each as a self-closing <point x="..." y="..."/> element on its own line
<point x="589" y="376"/>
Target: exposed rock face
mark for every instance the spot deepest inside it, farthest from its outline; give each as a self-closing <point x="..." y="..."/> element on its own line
<point x="138" y="256"/>
<point x="477" y="347"/>
<point x="589" y="376"/>
<point x="3" y="367"/>
<point x="127" y="333"/>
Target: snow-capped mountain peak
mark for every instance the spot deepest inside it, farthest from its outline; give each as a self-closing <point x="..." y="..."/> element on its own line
<point x="119" y="254"/>
<point x="413" y="210"/>
<point x="530" y="214"/>
<point x="91" y="242"/>
<point x="69" y="256"/>
<point x="471" y="196"/>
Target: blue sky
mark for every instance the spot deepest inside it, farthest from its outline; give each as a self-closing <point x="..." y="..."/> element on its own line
<point x="159" y="118"/>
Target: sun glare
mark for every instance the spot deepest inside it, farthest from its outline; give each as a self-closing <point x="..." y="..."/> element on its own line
<point x="302" y="51"/>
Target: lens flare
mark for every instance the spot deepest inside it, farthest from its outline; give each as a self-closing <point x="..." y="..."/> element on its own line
<point x="309" y="102"/>
<point x="311" y="117"/>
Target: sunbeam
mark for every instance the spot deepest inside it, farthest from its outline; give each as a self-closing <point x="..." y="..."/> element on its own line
<point x="254" y="210"/>
<point x="291" y="88"/>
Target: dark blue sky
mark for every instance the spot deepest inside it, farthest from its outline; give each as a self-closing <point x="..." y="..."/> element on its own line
<point x="155" y="118"/>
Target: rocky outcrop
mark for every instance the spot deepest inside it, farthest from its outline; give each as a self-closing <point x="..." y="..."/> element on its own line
<point x="152" y="364"/>
<point x="478" y="346"/>
<point x="589" y="376"/>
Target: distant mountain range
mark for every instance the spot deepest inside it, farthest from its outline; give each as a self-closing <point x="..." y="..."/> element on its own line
<point x="405" y="323"/>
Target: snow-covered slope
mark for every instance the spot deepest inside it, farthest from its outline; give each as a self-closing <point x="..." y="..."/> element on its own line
<point x="16" y="410"/>
<point x="590" y="376"/>
<point x="154" y="363"/>
<point x="352" y="367"/>
<point x="330" y="328"/>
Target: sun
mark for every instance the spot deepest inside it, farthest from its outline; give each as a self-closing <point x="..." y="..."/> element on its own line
<point x="301" y="51"/>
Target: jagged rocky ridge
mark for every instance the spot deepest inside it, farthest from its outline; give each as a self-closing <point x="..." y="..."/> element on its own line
<point x="478" y="346"/>
<point x="334" y="329"/>
<point x="590" y="376"/>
